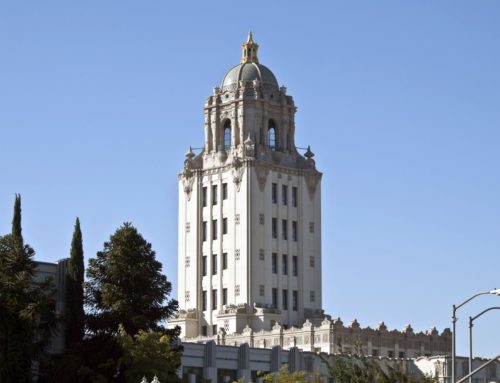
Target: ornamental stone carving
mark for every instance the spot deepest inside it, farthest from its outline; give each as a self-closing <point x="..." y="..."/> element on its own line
<point x="249" y="147"/>
<point x="237" y="170"/>
<point x="187" y="176"/>
<point x="312" y="180"/>
<point x="262" y="171"/>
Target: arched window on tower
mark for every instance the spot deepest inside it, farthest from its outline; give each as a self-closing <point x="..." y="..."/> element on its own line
<point x="272" y="136"/>
<point x="227" y="135"/>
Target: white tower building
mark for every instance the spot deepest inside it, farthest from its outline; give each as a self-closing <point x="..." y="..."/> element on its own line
<point x="249" y="212"/>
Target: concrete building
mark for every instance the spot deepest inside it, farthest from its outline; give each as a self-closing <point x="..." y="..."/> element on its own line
<point x="249" y="212"/>
<point x="57" y="273"/>
<point x="230" y="363"/>
<point x="250" y="231"/>
<point x="440" y="366"/>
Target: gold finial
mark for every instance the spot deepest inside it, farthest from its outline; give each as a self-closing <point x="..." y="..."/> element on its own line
<point x="250" y="37"/>
<point x="249" y="54"/>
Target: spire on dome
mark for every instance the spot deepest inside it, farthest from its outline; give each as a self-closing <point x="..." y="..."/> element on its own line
<point x="250" y="48"/>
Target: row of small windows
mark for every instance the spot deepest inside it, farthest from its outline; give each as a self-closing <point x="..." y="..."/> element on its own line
<point x="214" y="299"/>
<point x="274" y="229"/>
<point x="274" y="263"/>
<point x="284" y="229"/>
<point x="204" y="265"/>
<point x="204" y="195"/>
<point x="284" y="195"/>
<point x="284" y="264"/>
<point x="284" y="299"/>
<point x="204" y="231"/>
<point x="274" y="297"/>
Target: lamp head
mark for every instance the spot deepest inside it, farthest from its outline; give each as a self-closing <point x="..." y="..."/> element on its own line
<point x="495" y="292"/>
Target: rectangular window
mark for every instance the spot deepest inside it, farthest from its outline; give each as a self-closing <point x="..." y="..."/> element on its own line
<point x="295" y="270"/>
<point x="224" y="226"/>
<point x="284" y="263"/>
<point x="311" y="261"/>
<point x="204" y="300"/>
<point x="204" y="265"/>
<point x="204" y="330"/>
<point x="214" y="229"/>
<point x="214" y="329"/>
<point x="294" y="231"/>
<point x="214" y="194"/>
<point x="204" y="231"/>
<point x="214" y="264"/>
<point x="224" y="191"/>
<point x="275" y="297"/>
<point x="224" y="261"/>
<point x="312" y="296"/>
<point x="224" y="296"/>
<point x="284" y="302"/>
<point x="274" y="262"/>
<point x="274" y="193"/>
<point x="261" y="290"/>
<point x="284" y="227"/>
<point x="294" y="196"/>
<point x="284" y="195"/>
<point x="274" y="228"/>
<point x="204" y="196"/>
<point x="214" y="299"/>
<point x="295" y="300"/>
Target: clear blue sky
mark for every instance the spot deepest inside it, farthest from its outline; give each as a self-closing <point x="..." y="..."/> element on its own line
<point x="99" y="101"/>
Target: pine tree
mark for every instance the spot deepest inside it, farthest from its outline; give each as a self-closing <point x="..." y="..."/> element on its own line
<point x="26" y="307"/>
<point x="75" y="316"/>
<point x="125" y="286"/>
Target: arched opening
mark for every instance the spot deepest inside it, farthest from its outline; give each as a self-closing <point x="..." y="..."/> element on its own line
<point x="227" y="135"/>
<point x="272" y="140"/>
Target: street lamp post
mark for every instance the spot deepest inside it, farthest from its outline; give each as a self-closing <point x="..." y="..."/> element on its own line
<point x="471" y="323"/>
<point x="454" y="322"/>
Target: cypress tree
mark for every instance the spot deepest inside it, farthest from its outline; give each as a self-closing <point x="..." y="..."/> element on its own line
<point x="17" y="233"/>
<point x="75" y="316"/>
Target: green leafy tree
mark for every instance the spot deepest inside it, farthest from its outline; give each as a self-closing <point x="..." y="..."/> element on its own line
<point x="357" y="368"/>
<point x="148" y="354"/>
<point x="27" y="310"/>
<point x="284" y="376"/>
<point x="125" y="286"/>
<point x="75" y="315"/>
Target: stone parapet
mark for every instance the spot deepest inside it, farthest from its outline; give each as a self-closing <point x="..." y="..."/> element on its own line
<point x="332" y="336"/>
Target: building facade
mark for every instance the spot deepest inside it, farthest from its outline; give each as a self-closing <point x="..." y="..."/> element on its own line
<point x="249" y="212"/>
<point x="219" y="363"/>
<point x="56" y="272"/>
<point x="250" y="232"/>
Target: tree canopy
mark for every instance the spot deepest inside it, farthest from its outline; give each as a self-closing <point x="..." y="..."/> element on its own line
<point x="27" y="309"/>
<point x="125" y="286"/>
